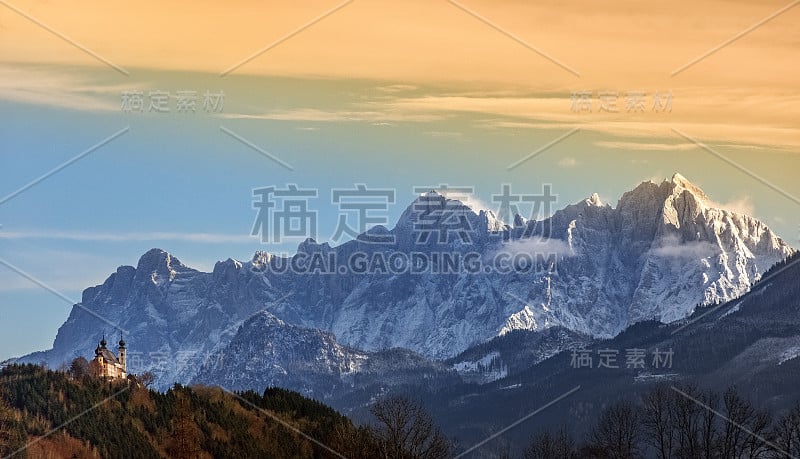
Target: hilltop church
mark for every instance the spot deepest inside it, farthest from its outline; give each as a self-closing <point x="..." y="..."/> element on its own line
<point x="106" y="365"/>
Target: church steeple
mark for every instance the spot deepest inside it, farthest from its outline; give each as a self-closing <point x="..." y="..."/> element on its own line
<point x="106" y="365"/>
<point x="123" y="354"/>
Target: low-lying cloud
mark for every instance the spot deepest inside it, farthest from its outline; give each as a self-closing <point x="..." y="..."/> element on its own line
<point x="537" y="246"/>
<point x="673" y="247"/>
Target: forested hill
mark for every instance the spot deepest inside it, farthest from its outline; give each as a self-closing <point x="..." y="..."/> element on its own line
<point x="50" y="414"/>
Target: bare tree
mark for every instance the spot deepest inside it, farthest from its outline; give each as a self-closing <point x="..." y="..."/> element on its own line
<point x="547" y="445"/>
<point x="759" y="443"/>
<point x="708" y="424"/>
<point x="406" y="430"/>
<point x="706" y="428"/>
<point x="738" y="411"/>
<point x="787" y="433"/>
<point x="146" y="379"/>
<point x="658" y="420"/>
<point x="745" y="428"/>
<point x="358" y="442"/>
<point x="688" y="416"/>
<point x="618" y="431"/>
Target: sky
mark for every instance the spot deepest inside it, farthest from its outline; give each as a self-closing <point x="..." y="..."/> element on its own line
<point x="585" y="96"/>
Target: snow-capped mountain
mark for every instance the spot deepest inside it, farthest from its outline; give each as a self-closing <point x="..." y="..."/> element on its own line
<point x="175" y="315"/>
<point x="664" y="249"/>
<point x="750" y="343"/>
<point x="268" y="352"/>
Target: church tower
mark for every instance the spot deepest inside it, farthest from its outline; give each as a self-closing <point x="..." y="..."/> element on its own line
<point x="123" y="360"/>
<point x="108" y="366"/>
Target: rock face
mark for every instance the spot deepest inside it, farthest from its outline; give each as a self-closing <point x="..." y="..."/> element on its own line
<point x="268" y="352"/>
<point x="664" y="249"/>
<point x="172" y="316"/>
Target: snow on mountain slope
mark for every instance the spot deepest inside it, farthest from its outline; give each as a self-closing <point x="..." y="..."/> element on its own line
<point x="267" y="352"/>
<point x="172" y="316"/>
<point x="661" y="251"/>
<point x="658" y="254"/>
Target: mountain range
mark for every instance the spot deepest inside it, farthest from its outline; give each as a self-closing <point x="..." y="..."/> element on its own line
<point x="662" y="251"/>
<point x="751" y="344"/>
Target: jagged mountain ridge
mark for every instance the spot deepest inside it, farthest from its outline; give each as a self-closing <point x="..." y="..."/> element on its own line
<point x="662" y="250"/>
<point x="751" y="343"/>
<point x="267" y="352"/>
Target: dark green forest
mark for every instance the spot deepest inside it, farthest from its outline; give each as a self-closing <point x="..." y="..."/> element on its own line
<point x="52" y="414"/>
<point x="60" y="416"/>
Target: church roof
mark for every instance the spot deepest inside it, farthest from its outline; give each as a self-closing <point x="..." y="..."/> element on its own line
<point x="108" y="356"/>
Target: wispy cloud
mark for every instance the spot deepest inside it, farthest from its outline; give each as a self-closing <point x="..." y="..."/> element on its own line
<point x="645" y="146"/>
<point x="207" y="238"/>
<point x="395" y="88"/>
<point x="567" y="162"/>
<point x="742" y="205"/>
<point x="60" y="89"/>
<point x="551" y="110"/>
<point x="446" y="134"/>
<point x="673" y="247"/>
<point x="538" y="246"/>
<point x="749" y="125"/>
<point x="339" y="115"/>
<point x="468" y="199"/>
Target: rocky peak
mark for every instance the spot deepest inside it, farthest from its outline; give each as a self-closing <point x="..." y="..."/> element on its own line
<point x="262" y="257"/>
<point x="310" y="245"/>
<point x="594" y="200"/>
<point x="157" y="261"/>
<point x="263" y="320"/>
<point x="159" y="268"/>
<point x="439" y="213"/>
<point x="689" y="193"/>
<point x="679" y="181"/>
<point x="677" y="200"/>
<point x="226" y="269"/>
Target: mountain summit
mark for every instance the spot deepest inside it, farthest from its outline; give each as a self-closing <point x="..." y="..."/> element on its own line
<point x="664" y="249"/>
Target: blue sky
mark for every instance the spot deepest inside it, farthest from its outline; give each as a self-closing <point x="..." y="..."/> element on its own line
<point x="180" y="176"/>
<point x="176" y="181"/>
